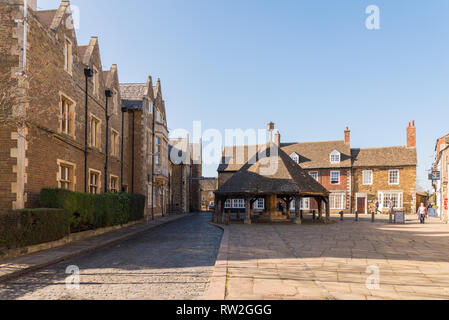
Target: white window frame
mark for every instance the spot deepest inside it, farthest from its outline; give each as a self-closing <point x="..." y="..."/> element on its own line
<point x="384" y="195"/>
<point x="337" y="205"/>
<point x="71" y="181"/>
<point x="117" y="188"/>
<point x="390" y="172"/>
<point x="312" y="173"/>
<point x="98" y="182"/>
<point x="305" y="204"/>
<point x="335" y="157"/>
<point x="339" y="178"/>
<point x="367" y="177"/>
<point x="259" y="204"/>
<point x="228" y="204"/>
<point x="238" y="203"/>
<point x="295" y="157"/>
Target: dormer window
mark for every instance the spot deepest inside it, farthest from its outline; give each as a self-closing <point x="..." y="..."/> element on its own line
<point x="335" y="157"/>
<point x="295" y="157"/>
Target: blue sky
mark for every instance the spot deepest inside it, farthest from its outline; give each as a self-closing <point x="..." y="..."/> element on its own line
<point x="310" y="66"/>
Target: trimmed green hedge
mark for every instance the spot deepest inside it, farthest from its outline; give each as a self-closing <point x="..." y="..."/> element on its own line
<point x="32" y="226"/>
<point x="89" y="211"/>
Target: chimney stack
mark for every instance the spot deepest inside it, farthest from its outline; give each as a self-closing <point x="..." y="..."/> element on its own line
<point x="270" y="130"/>
<point x="411" y="135"/>
<point x="277" y="139"/>
<point x="347" y="136"/>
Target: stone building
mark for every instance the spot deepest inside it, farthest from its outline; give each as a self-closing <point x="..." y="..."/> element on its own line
<point x="185" y="174"/>
<point x="62" y="121"/>
<point x="208" y="186"/>
<point x="440" y="183"/>
<point x="355" y="178"/>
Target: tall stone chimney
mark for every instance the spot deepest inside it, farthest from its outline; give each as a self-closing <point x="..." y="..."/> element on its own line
<point x="347" y="136"/>
<point x="411" y="135"/>
<point x="277" y="138"/>
<point x="270" y="130"/>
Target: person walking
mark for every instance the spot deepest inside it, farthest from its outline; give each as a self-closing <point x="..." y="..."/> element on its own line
<point x="422" y="213"/>
<point x="391" y="207"/>
<point x="377" y="206"/>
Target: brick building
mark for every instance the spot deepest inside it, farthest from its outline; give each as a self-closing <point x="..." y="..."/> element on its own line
<point x="355" y="178"/>
<point x="440" y="184"/>
<point x="62" y="120"/>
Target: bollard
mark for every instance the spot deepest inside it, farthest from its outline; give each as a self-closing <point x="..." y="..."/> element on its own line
<point x="341" y="216"/>
<point x="373" y="217"/>
<point x="356" y="216"/>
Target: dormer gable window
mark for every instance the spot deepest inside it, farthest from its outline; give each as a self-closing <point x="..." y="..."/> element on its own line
<point x="295" y="157"/>
<point x="335" y="157"/>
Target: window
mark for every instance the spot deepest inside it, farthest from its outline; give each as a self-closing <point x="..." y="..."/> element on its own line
<point x="337" y="201"/>
<point x="259" y="204"/>
<point x="68" y="57"/>
<point x="228" y="204"/>
<point x="94" y="182"/>
<point x="393" y="177"/>
<point x="295" y="157"/>
<point x="96" y="82"/>
<point x="305" y="204"/>
<point x="335" y="157"/>
<point x="367" y="177"/>
<point x="158" y="150"/>
<point x="385" y="198"/>
<point x="150" y="107"/>
<point x="66" y="175"/>
<point x="238" y="203"/>
<point x="95" y="132"/>
<point x="314" y="175"/>
<point x="115" y="144"/>
<point x="114" y="184"/>
<point x="335" y="177"/>
<point x="67" y="117"/>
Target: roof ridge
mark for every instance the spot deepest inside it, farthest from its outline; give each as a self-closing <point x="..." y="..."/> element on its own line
<point x="376" y="148"/>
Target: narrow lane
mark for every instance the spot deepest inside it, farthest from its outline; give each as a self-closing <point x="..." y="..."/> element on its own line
<point x="174" y="261"/>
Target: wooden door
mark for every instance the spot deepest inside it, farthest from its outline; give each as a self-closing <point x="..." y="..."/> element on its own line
<point x="361" y="208"/>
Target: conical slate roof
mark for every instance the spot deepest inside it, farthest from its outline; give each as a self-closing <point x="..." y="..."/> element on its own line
<point x="255" y="178"/>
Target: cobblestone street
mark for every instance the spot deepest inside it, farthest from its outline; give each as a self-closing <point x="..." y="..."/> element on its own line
<point x="331" y="261"/>
<point x="174" y="261"/>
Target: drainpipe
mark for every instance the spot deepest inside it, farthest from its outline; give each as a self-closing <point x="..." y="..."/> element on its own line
<point x="152" y="167"/>
<point x="122" y="147"/>
<point x="132" y="160"/>
<point x="108" y="94"/>
<point x="88" y="73"/>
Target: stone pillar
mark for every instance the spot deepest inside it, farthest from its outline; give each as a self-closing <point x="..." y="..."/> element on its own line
<point x="222" y="210"/>
<point x="271" y="205"/>
<point x="327" y="210"/>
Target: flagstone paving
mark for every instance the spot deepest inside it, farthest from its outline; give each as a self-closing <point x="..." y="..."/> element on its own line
<point x="312" y="261"/>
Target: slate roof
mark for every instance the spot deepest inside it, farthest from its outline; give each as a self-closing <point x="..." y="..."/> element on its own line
<point x="133" y="91"/>
<point x="384" y="157"/>
<point x="132" y="104"/>
<point x="314" y="155"/>
<point x="289" y="178"/>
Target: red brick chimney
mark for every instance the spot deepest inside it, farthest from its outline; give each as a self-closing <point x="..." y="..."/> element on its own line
<point x="347" y="136"/>
<point x="277" y="139"/>
<point x="411" y="135"/>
